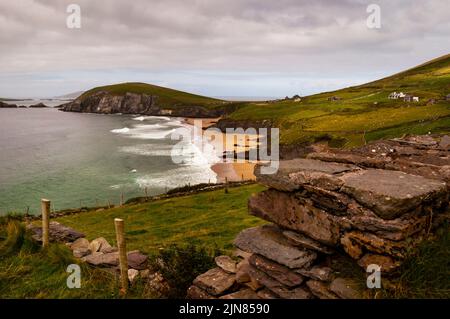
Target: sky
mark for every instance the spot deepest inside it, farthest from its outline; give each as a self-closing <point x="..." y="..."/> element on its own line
<point x="215" y="47"/>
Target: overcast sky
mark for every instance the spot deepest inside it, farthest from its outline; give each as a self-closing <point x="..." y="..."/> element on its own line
<point x="214" y="47"/>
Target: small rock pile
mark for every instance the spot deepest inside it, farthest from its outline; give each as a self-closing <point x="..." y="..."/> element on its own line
<point x="372" y="204"/>
<point x="99" y="253"/>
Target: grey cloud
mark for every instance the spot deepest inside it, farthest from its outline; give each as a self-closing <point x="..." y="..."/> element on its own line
<point x="294" y="36"/>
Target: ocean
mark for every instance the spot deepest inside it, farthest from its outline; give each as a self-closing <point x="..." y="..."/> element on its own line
<point x="78" y="160"/>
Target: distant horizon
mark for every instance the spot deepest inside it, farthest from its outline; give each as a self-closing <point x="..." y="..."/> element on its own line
<point x="215" y="48"/>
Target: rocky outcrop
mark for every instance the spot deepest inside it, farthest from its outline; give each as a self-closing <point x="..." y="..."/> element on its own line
<point x="370" y="205"/>
<point x="132" y="103"/>
<point x="38" y="105"/>
<point x="57" y="233"/>
<point x="7" y="105"/>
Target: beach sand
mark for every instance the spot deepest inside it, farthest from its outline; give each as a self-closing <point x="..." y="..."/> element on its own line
<point x="236" y="143"/>
<point x="234" y="172"/>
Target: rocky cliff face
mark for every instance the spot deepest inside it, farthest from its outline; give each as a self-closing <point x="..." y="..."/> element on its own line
<point x="132" y="103"/>
<point x="367" y="206"/>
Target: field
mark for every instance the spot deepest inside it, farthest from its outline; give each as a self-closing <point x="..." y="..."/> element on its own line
<point x="211" y="219"/>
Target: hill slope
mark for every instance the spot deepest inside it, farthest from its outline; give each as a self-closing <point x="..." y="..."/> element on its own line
<point x="142" y="98"/>
<point x="361" y="113"/>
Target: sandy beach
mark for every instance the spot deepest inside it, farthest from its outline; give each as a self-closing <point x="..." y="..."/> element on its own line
<point x="232" y="170"/>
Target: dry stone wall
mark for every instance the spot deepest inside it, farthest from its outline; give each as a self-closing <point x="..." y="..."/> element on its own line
<point x="370" y="204"/>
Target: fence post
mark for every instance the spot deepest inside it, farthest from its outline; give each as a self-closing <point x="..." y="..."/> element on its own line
<point x="121" y="199"/>
<point x="121" y="245"/>
<point x="226" y="185"/>
<point x="45" y="211"/>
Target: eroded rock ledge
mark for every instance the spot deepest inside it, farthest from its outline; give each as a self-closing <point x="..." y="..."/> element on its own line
<point x="370" y="205"/>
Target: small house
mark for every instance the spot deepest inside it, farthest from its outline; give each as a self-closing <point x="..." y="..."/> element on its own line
<point x="334" y="98"/>
<point x="408" y="98"/>
<point x="393" y="96"/>
<point x="396" y="96"/>
<point x="447" y="97"/>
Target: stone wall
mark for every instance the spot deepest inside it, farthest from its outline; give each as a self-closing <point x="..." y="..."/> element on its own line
<point x="369" y="205"/>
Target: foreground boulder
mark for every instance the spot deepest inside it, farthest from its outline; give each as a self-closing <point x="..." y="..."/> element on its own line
<point x="57" y="233"/>
<point x="336" y="209"/>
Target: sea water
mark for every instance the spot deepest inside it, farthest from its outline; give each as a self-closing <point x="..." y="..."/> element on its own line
<point x="78" y="159"/>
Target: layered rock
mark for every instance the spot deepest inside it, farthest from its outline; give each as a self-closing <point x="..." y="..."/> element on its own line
<point x="369" y="206"/>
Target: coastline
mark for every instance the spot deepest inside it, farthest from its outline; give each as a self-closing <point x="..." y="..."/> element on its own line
<point x="230" y="171"/>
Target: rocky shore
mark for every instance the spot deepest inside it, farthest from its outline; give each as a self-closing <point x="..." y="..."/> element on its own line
<point x="133" y="103"/>
<point x="370" y="205"/>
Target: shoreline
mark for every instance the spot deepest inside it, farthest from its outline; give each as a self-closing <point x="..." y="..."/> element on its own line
<point x="230" y="171"/>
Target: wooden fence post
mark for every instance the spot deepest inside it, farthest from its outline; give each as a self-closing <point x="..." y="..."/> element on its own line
<point x="226" y="185"/>
<point x="45" y="211"/>
<point x="121" y="245"/>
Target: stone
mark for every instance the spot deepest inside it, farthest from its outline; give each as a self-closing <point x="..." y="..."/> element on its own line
<point x="158" y="285"/>
<point x="444" y="143"/>
<point x="345" y="288"/>
<point x="286" y="210"/>
<point x="226" y="263"/>
<point x="295" y="293"/>
<point x="81" y="252"/>
<point x="242" y="272"/>
<point x="351" y="247"/>
<point x="320" y="290"/>
<point x="268" y="241"/>
<point x="394" y="229"/>
<point x="102" y="260"/>
<point x="266" y="294"/>
<point x="292" y="174"/>
<point x="281" y="273"/>
<point x="391" y="193"/>
<point x="215" y="281"/>
<point x="263" y="279"/>
<point x="318" y="273"/>
<point x="99" y="244"/>
<point x="57" y="233"/>
<point x="80" y="243"/>
<point x="241" y="294"/>
<point x="195" y="292"/>
<point x="387" y="264"/>
<point x="301" y="240"/>
<point x="375" y="244"/>
<point x="241" y="253"/>
<point x="137" y="260"/>
<point x="133" y="275"/>
<point x="80" y="247"/>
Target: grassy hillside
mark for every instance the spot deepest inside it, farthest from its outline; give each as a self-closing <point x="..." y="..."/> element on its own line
<point x="363" y="112"/>
<point x="210" y="218"/>
<point x="166" y="97"/>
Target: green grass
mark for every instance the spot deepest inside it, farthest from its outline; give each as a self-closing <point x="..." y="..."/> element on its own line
<point x="426" y="271"/>
<point x="362" y="109"/>
<point x="167" y="98"/>
<point x="210" y="219"/>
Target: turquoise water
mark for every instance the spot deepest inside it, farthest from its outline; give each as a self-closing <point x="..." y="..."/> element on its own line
<point x="87" y="159"/>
